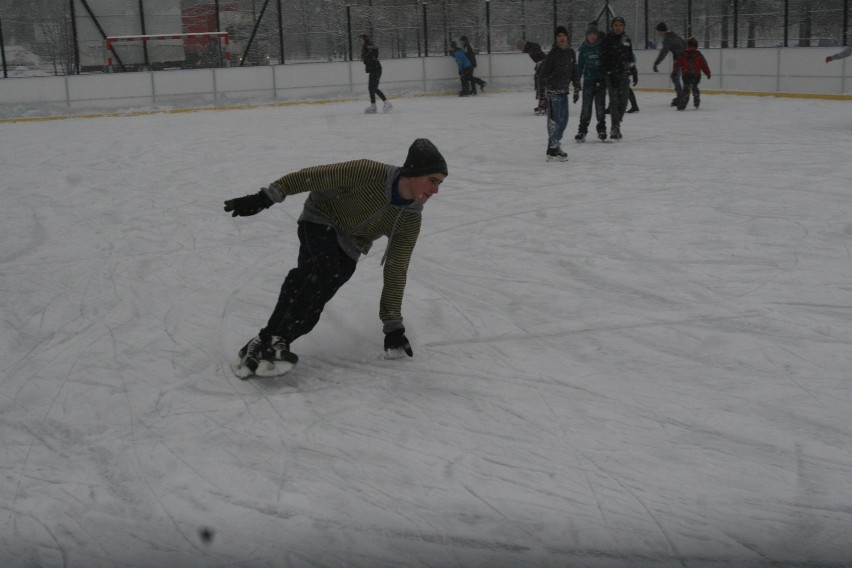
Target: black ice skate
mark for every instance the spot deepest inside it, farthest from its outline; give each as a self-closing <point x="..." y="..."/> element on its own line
<point x="556" y="155"/>
<point x="264" y="358"/>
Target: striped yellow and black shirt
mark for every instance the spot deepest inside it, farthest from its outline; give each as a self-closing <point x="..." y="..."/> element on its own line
<point x="355" y="198"/>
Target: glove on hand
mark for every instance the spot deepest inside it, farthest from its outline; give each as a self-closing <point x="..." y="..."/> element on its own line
<point x="635" y="74"/>
<point x="828" y="59"/>
<point x="656" y="70"/>
<point x="396" y="343"/>
<point x="576" y="96"/>
<point x="248" y="205"/>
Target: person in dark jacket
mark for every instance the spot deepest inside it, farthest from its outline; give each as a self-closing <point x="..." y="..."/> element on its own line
<point x="535" y="52"/>
<point x="470" y="53"/>
<point x="690" y="65"/>
<point x="671" y="43"/>
<point x="594" y="84"/>
<point x="559" y="74"/>
<point x="349" y="206"/>
<point x="370" y="57"/>
<point x="617" y="63"/>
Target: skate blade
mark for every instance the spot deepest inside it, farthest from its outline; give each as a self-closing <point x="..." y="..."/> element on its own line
<point x="264" y="369"/>
<point x="240" y="371"/>
<point x="274" y="369"/>
<point x="394" y="354"/>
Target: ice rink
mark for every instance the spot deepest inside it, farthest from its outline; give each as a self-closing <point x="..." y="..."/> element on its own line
<point x="639" y="357"/>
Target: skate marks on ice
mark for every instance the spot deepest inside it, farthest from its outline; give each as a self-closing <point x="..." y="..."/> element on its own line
<point x="638" y="364"/>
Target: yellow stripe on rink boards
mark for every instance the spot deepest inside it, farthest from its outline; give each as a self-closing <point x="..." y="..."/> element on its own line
<point x="170" y="111"/>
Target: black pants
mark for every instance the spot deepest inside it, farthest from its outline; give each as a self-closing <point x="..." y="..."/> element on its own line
<point x="373" y="86"/>
<point x="466" y="78"/>
<point x="323" y="268"/>
<point x="539" y="86"/>
<point x="475" y="81"/>
<point x="594" y="94"/>
<point x="618" y="87"/>
<point x="690" y="86"/>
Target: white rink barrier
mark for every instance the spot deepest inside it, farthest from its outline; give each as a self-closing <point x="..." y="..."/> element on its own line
<point x="782" y="71"/>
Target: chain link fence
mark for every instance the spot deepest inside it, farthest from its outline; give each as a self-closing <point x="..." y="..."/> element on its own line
<point x="63" y="37"/>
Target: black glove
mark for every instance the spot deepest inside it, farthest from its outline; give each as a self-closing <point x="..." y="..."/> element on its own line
<point x="635" y="74"/>
<point x="656" y="70"/>
<point x="396" y="343"/>
<point x="576" y="96"/>
<point x="248" y="205"/>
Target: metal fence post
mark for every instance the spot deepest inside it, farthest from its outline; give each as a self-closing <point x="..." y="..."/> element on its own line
<point x="144" y="31"/>
<point x="425" y="32"/>
<point x="688" y="18"/>
<point x="75" y="40"/>
<point x="349" y="30"/>
<point x="786" y="22"/>
<point x="488" y="26"/>
<point x="280" y="34"/>
<point x="446" y="34"/>
<point x="736" y="21"/>
<point x="3" y="52"/>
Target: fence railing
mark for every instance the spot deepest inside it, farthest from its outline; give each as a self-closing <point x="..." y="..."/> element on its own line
<point x="66" y="37"/>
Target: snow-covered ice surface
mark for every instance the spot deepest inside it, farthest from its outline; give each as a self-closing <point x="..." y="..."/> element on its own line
<point x="640" y="357"/>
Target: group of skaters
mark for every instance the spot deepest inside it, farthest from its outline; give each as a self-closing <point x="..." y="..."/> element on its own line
<point x="688" y="66"/>
<point x="464" y="55"/>
<point x="605" y="67"/>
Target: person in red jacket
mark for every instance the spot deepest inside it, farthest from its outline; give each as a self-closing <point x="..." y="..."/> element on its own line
<point x="690" y="65"/>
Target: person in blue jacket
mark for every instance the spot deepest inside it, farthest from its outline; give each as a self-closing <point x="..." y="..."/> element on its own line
<point x="594" y="84"/>
<point x="465" y="68"/>
<point x="470" y="53"/>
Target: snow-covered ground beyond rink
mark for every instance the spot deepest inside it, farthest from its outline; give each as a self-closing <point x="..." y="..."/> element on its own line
<point x="640" y="357"/>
